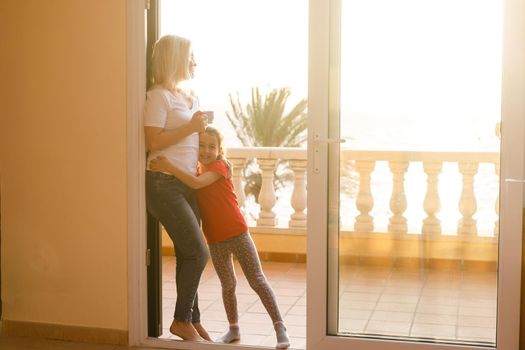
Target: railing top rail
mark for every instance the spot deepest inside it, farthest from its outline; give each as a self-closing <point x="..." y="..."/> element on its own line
<point x="372" y="155"/>
<point x="422" y="156"/>
<point x="267" y="152"/>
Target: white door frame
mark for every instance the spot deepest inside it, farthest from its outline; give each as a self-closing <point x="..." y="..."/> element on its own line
<point x="136" y="85"/>
<point x="137" y="271"/>
<point x="512" y="167"/>
<point x="321" y="97"/>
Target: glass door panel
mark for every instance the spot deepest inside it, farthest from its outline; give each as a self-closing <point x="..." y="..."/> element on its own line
<point x="417" y="249"/>
<point x="419" y="172"/>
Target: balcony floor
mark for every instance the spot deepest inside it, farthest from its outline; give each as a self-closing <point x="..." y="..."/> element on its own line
<point x="374" y="300"/>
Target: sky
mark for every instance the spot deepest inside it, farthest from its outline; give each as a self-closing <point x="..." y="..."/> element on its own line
<point x="416" y="74"/>
<point x="241" y="44"/>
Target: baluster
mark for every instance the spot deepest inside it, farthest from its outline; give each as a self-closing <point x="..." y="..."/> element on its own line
<point x="496" y="206"/>
<point x="398" y="201"/>
<point x="267" y="194"/>
<point x="298" y="200"/>
<point x="467" y="202"/>
<point x="364" y="203"/>
<point x="432" y="202"/>
<point x="237" y="167"/>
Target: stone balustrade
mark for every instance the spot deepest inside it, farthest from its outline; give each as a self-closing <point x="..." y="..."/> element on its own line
<point x="364" y="164"/>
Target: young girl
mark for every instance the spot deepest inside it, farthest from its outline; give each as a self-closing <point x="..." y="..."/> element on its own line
<point x="226" y="232"/>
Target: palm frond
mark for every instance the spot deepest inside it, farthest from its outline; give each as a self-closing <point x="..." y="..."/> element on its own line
<point x="264" y="122"/>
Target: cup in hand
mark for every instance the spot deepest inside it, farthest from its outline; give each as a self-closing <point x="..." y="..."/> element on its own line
<point x="209" y="116"/>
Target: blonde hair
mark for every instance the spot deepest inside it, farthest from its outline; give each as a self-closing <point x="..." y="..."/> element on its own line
<point x="170" y="61"/>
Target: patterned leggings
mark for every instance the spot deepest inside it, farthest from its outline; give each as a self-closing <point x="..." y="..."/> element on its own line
<point x="243" y="248"/>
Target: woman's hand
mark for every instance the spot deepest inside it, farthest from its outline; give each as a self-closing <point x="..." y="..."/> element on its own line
<point x="160" y="138"/>
<point x="198" y="121"/>
<point x="161" y="164"/>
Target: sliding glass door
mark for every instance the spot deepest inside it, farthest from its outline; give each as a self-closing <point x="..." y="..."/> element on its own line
<point x="414" y="195"/>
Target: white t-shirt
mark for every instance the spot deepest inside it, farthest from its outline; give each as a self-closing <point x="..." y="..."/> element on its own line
<point x="168" y="111"/>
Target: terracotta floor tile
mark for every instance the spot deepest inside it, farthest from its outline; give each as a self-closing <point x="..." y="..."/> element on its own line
<point x="405" y="283"/>
<point x="289" y="300"/>
<point x="247" y="298"/>
<point x="258" y="307"/>
<point x="214" y="315"/>
<point x="252" y="339"/>
<point x="402" y="290"/>
<point x="433" y="319"/>
<point x="477" y="333"/>
<point x="297" y="292"/>
<point x="373" y="300"/>
<point x="299" y="310"/>
<point x="252" y="317"/>
<point x="358" y="305"/>
<point x="290" y="285"/>
<point x="439" y="300"/>
<point x="476" y="311"/>
<point x="433" y="331"/>
<point x="269" y="341"/>
<point x="437" y="309"/>
<point x="393" y="316"/>
<point x="440" y="292"/>
<point x="301" y="301"/>
<point x="476" y="321"/>
<point x="260" y="328"/>
<point x="399" y="307"/>
<point x="388" y="328"/>
<point x="355" y="314"/>
<point x="355" y="296"/>
<point x="294" y="320"/>
<point x="296" y="331"/>
<point x="398" y="298"/>
<point x="349" y="325"/>
<point x="361" y="288"/>
<point x="478" y="302"/>
<point x="297" y="343"/>
<point x="216" y="326"/>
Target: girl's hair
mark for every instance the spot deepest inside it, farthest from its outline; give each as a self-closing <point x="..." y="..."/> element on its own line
<point x="170" y="61"/>
<point x="221" y="156"/>
<point x="214" y="132"/>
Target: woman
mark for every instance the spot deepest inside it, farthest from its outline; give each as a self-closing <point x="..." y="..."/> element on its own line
<point x="172" y="121"/>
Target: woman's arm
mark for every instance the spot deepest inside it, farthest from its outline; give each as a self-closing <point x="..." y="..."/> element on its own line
<point x="160" y="138"/>
<point x="162" y="164"/>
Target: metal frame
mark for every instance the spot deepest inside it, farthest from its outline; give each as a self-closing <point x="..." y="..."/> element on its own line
<point x="323" y="84"/>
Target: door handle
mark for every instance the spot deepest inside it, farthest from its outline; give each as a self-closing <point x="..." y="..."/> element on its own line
<point x="515" y="180"/>
<point x="317" y="155"/>
<point x="329" y="140"/>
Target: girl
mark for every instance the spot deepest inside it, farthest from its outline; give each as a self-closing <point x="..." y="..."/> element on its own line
<point x="172" y="121"/>
<point x="226" y="232"/>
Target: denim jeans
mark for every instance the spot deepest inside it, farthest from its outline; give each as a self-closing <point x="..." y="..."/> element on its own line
<point x="175" y="206"/>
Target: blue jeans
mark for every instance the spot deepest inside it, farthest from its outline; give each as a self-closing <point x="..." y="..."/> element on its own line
<point x="175" y="206"/>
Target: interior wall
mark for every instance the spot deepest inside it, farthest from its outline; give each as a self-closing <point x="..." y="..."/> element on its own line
<point x="63" y="162"/>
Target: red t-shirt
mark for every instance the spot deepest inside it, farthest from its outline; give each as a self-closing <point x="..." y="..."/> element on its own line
<point x="221" y="217"/>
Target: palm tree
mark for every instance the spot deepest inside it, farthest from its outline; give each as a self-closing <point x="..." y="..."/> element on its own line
<point x="264" y="122"/>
